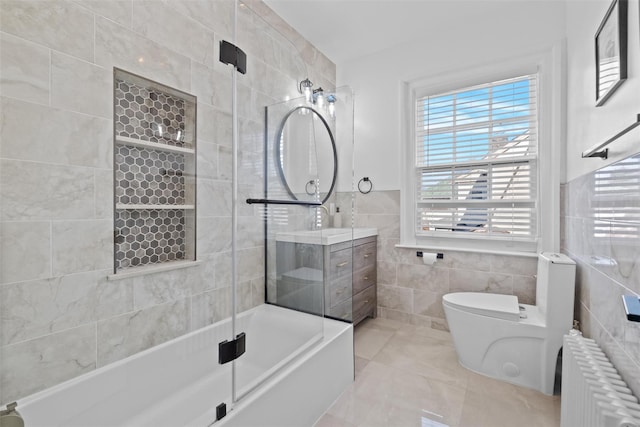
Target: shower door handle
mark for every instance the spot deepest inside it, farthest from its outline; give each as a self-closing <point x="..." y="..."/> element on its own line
<point x="281" y="202"/>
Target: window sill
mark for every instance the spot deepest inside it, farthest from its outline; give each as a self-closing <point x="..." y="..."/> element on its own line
<point x="461" y="248"/>
<point x="151" y="269"/>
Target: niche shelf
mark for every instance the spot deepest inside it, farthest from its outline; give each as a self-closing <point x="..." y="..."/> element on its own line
<point x="154" y="174"/>
<point x="132" y="142"/>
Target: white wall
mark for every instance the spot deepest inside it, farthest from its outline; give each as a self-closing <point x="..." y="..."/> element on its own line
<point x="470" y="34"/>
<point x="588" y="125"/>
<point x="599" y="287"/>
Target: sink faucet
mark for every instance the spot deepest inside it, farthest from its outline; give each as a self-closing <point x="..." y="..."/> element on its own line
<point x="317" y="222"/>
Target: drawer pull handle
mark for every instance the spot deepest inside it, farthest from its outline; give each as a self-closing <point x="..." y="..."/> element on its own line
<point x="366" y="301"/>
<point x="342" y="264"/>
<point x="366" y="277"/>
<point x="366" y="255"/>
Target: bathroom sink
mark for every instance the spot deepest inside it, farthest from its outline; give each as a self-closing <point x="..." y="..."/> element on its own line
<point x="326" y="236"/>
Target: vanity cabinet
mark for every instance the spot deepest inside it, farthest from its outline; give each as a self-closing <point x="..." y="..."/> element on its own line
<point x="350" y="272"/>
<point x="341" y="262"/>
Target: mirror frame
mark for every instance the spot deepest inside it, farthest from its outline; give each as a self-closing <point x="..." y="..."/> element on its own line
<point x="277" y="149"/>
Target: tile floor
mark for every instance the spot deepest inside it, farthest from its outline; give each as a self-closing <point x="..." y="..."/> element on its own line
<point x="409" y="376"/>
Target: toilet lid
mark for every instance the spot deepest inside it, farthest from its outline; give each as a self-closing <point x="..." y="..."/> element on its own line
<point x="491" y="305"/>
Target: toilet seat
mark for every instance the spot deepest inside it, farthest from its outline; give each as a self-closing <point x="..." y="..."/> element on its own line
<point x="491" y="305"/>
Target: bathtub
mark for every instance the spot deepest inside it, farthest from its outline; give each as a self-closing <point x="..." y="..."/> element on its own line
<point x="180" y="383"/>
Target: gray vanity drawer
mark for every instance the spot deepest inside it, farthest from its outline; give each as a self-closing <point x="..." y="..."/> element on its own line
<point x="364" y="304"/>
<point x="364" y="255"/>
<point x="342" y="310"/>
<point x="340" y="290"/>
<point x="364" y="278"/>
<point x="341" y="263"/>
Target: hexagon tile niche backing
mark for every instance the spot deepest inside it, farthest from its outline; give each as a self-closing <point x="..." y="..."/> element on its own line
<point x="149" y="237"/>
<point x="149" y="176"/>
<point x="149" y="115"/>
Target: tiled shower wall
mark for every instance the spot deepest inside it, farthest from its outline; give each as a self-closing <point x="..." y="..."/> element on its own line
<point x="60" y="314"/>
<point x="410" y="291"/>
<point x="601" y="232"/>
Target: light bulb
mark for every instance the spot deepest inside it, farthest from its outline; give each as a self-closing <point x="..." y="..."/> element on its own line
<point x="304" y="87"/>
<point x="331" y="100"/>
<point x="320" y="100"/>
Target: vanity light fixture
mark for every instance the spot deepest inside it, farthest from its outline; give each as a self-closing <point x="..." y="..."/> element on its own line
<point x="304" y="87"/>
<point x="331" y="101"/>
<point x="318" y="97"/>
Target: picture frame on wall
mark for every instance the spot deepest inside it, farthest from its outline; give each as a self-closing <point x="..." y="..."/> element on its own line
<point x="611" y="51"/>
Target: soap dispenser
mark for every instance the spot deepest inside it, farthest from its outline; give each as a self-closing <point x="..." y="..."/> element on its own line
<point x="337" y="219"/>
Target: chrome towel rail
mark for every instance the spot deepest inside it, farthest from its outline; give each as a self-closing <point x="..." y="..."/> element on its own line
<point x="603" y="153"/>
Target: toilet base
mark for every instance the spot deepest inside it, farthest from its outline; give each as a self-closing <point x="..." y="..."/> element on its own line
<point x="516" y="352"/>
<point x="516" y="367"/>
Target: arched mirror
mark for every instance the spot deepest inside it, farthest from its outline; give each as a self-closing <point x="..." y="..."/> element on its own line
<point x="305" y="155"/>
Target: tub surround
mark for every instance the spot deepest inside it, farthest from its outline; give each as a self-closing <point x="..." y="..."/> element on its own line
<point x="62" y="317"/>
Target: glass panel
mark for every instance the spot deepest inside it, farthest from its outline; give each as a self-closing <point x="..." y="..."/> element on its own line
<point x="297" y="132"/>
<point x="275" y="333"/>
<point x="314" y="256"/>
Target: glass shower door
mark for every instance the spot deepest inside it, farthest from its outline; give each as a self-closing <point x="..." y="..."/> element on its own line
<point x="274" y="335"/>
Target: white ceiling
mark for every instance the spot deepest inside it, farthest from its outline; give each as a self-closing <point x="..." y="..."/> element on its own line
<point x="349" y="29"/>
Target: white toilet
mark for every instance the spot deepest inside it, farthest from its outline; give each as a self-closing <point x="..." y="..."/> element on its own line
<point x="517" y="343"/>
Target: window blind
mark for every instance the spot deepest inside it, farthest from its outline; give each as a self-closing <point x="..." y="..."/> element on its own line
<point x="476" y="161"/>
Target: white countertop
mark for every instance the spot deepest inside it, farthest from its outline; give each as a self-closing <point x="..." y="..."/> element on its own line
<point x="326" y="236"/>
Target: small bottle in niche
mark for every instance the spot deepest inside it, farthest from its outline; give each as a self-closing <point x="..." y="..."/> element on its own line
<point x="337" y="219"/>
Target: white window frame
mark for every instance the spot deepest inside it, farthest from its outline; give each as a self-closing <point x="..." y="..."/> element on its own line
<point x="547" y="66"/>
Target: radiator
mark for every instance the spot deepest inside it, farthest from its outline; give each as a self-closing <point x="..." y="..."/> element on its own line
<point x="593" y="394"/>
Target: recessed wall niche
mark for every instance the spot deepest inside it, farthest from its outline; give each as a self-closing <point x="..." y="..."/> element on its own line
<point x="154" y="173"/>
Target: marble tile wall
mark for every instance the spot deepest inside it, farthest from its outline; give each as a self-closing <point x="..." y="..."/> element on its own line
<point x="60" y="314"/>
<point x="600" y="226"/>
<point x="411" y="292"/>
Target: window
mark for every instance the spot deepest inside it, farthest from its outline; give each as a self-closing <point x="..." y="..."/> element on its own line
<point x="476" y="152"/>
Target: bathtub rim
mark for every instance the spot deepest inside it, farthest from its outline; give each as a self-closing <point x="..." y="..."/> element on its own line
<point x="34" y="398"/>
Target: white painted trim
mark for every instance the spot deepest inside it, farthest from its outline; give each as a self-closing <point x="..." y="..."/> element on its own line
<point x="467" y="249"/>
<point x="549" y="66"/>
<point x="407" y="156"/>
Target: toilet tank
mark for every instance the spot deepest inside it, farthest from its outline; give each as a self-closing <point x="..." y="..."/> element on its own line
<point x="555" y="289"/>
